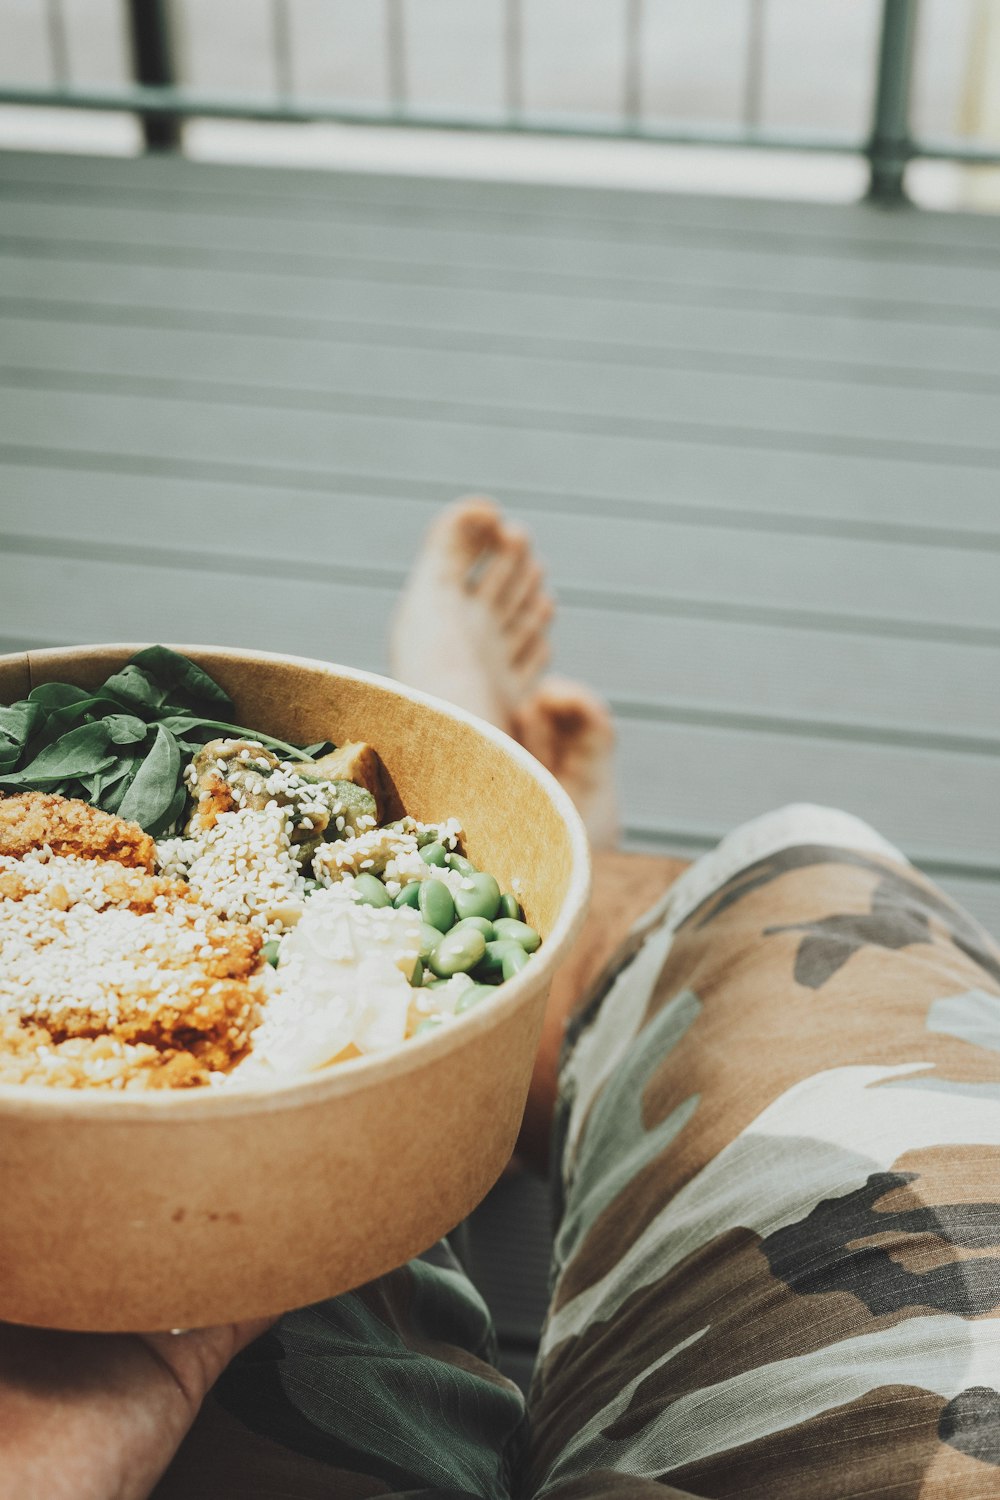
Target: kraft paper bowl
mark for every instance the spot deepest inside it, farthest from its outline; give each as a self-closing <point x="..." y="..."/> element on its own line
<point x="188" y="1208"/>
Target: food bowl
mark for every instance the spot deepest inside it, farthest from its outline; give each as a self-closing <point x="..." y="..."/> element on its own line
<point x="181" y="1209"/>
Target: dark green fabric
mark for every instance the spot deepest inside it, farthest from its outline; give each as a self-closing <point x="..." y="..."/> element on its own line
<point x="394" y="1380"/>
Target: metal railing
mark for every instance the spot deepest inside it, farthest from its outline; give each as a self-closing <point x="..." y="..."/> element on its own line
<point x="163" y="104"/>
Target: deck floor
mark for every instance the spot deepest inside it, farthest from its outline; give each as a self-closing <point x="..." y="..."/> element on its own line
<point x="758" y="445"/>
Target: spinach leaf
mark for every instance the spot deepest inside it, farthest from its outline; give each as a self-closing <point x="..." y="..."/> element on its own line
<point x="176" y="809"/>
<point x="158" y="678"/>
<point x="86" y="710"/>
<point x="110" y="797"/>
<point x="151" y="795"/>
<point x="126" y="729"/>
<point x="17" y="724"/>
<point x="133" y="690"/>
<point x="81" y="752"/>
<point x="105" y="784"/>
<point x="53" y="695"/>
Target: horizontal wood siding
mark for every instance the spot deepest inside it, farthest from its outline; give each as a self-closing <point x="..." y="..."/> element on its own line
<point x="757" y="445"/>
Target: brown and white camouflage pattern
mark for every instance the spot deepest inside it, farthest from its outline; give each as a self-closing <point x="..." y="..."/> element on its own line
<point x="779" y="1258"/>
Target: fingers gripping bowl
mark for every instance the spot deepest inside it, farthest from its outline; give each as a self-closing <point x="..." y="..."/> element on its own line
<point x="180" y="1208"/>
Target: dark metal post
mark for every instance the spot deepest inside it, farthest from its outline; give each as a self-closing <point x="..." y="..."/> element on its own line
<point x="153" y="63"/>
<point x="890" y="147"/>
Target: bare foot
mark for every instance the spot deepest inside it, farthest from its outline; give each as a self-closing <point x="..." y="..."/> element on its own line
<point x="472" y="622"/>
<point x="569" y="729"/>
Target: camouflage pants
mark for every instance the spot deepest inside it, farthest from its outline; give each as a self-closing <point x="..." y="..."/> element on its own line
<point x="777" y="1268"/>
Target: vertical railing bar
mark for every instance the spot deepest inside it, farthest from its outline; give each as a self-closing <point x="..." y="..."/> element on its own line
<point x="753" y="78"/>
<point x="395" y="37"/>
<point x="58" y="42"/>
<point x="632" y="79"/>
<point x="153" y="64"/>
<point x="513" y="51"/>
<point x="281" y="33"/>
<point x="890" y="146"/>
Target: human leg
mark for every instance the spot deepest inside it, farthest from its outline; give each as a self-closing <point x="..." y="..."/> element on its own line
<point x="778" y="1263"/>
<point x="471" y="624"/>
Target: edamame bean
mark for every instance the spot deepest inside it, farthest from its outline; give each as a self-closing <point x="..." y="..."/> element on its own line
<point x="472" y="997"/>
<point x="370" y="891"/>
<point x="417" y="977"/>
<point x="510" y="906"/>
<point x="457" y="952"/>
<point x="480" y="924"/>
<point x="490" y="966"/>
<point x="513" y="961"/>
<point x="481" y="899"/>
<point x="429" y="1023"/>
<point x="461" y="864"/>
<point x="436" y="904"/>
<point x="434" y="854"/>
<point x="270" y="950"/>
<point x="409" y="895"/>
<point x="517" y="932"/>
<point x="429" y="939"/>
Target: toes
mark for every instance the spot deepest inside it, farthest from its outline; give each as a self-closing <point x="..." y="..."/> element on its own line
<point x="529" y="627"/>
<point x="569" y="729"/>
<point x="521" y="592"/>
<point x="565" y="693"/>
<point x="503" y="568"/>
<point x="532" y="727"/>
<point x="578" y="718"/>
<point x="531" y="664"/>
<point x="463" y="532"/>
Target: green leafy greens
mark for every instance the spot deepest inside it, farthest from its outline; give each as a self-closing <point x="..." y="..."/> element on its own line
<point x="122" y="747"/>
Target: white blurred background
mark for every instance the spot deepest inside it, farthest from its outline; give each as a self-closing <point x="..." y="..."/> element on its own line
<point x="816" y="76"/>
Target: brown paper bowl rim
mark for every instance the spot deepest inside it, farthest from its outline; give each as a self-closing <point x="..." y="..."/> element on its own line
<point x="357" y="1073"/>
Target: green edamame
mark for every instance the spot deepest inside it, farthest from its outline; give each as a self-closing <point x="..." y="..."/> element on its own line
<point x="513" y="960"/>
<point x="370" y="891"/>
<point x="409" y="895"/>
<point x="429" y="1023"/>
<point x="436" y="904"/>
<point x="479" y="897"/>
<point x="490" y="966"/>
<point x="510" y="907"/>
<point x="270" y="951"/>
<point x="480" y="924"/>
<point x="471" y="997"/>
<point x="457" y="952"/>
<point x="434" y="854"/>
<point x="429" y="939"/>
<point x="417" y="977"/>
<point x="461" y="864"/>
<point x="517" y="932"/>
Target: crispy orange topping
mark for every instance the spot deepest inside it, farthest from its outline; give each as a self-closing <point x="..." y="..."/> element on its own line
<point x="111" y="975"/>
